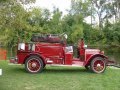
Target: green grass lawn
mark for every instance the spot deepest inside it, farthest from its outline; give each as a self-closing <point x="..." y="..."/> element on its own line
<point x="15" y="77"/>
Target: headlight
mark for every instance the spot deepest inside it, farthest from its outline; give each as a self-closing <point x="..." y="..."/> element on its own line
<point x="85" y="46"/>
<point x="21" y="46"/>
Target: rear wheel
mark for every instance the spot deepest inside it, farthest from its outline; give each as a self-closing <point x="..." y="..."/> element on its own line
<point x="34" y="64"/>
<point x="44" y="66"/>
<point x="98" y="65"/>
<point x="87" y="67"/>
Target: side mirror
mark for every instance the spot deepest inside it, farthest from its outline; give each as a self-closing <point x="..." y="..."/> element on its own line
<point x="85" y="46"/>
<point x="65" y="35"/>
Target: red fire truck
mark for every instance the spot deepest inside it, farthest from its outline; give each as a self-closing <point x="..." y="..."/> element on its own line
<point x="53" y="50"/>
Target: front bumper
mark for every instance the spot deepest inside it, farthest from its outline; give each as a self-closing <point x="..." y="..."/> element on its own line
<point x="110" y="62"/>
<point x="14" y="60"/>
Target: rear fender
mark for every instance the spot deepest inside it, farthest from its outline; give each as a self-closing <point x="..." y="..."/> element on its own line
<point x="35" y="54"/>
<point x="93" y="56"/>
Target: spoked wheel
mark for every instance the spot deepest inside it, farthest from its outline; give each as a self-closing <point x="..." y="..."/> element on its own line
<point x="34" y="64"/>
<point x="98" y="65"/>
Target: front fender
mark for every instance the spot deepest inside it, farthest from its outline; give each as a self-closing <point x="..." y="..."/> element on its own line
<point x="87" y="62"/>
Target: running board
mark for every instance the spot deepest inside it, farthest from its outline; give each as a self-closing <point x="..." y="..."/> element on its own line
<point x="73" y="65"/>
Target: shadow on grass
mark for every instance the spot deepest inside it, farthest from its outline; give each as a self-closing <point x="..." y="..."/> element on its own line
<point x="53" y="70"/>
<point x="72" y="70"/>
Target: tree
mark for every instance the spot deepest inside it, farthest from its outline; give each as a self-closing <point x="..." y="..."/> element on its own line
<point x="112" y="33"/>
<point x="116" y="9"/>
<point x="13" y="22"/>
<point x="80" y="7"/>
<point x="55" y="21"/>
<point x="99" y="6"/>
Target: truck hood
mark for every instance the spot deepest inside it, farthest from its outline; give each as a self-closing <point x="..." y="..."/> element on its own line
<point x="92" y="51"/>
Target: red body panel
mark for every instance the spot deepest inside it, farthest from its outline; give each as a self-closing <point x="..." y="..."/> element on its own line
<point x="47" y="51"/>
<point x="68" y="58"/>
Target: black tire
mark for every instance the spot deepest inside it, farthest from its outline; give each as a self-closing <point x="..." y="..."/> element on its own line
<point x="34" y="64"/>
<point x="98" y="65"/>
<point x="87" y="67"/>
<point x="44" y="65"/>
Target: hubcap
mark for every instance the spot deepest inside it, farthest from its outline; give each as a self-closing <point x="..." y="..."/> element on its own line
<point x="34" y="65"/>
<point x="98" y="65"/>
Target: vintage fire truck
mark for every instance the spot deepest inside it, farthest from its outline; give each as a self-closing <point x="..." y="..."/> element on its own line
<point x="52" y="50"/>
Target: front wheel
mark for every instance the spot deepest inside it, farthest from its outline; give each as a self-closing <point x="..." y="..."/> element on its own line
<point x="98" y="65"/>
<point x="34" y="64"/>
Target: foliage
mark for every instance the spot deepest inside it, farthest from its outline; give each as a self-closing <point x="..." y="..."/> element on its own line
<point x="18" y="24"/>
<point x="112" y="33"/>
<point x="14" y="23"/>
